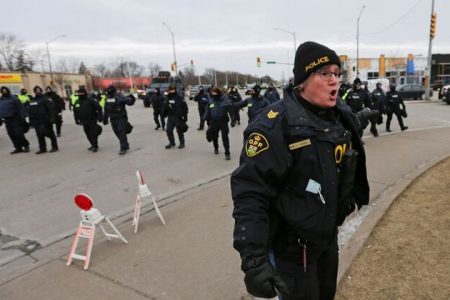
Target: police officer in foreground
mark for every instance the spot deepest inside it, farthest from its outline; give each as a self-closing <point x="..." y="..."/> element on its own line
<point x="116" y="111"/>
<point x="301" y="172"/>
<point x="394" y="105"/>
<point x="90" y="112"/>
<point x="176" y="110"/>
<point x="253" y="103"/>
<point x="59" y="104"/>
<point x="218" y="113"/>
<point x="42" y="114"/>
<point x="13" y="114"/>
<point x="202" y="102"/>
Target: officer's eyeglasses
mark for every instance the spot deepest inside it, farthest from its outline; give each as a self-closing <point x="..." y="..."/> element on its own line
<point x="326" y="74"/>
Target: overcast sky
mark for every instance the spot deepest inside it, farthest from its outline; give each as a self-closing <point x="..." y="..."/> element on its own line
<point x="225" y="35"/>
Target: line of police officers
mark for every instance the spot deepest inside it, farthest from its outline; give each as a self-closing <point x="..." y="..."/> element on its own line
<point x="388" y="103"/>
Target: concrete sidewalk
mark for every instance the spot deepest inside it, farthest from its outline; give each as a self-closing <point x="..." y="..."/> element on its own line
<point x="192" y="256"/>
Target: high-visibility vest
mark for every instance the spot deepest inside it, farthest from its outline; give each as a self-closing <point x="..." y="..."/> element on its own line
<point x="102" y="101"/>
<point x="74" y="100"/>
<point x="24" y="98"/>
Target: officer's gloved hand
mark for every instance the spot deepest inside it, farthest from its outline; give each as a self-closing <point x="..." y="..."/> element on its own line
<point x="233" y="124"/>
<point x="261" y="279"/>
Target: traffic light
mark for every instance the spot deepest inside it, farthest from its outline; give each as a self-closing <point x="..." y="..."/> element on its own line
<point x="172" y="67"/>
<point x="433" y="25"/>
<point x="258" y="62"/>
<point x="192" y="62"/>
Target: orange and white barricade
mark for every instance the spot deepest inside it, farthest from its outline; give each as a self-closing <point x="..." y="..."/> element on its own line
<point x="90" y="219"/>
<point x="143" y="191"/>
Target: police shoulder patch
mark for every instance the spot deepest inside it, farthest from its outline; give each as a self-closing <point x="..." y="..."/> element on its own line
<point x="256" y="143"/>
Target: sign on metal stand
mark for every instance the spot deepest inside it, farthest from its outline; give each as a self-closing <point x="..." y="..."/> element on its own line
<point x="90" y="219"/>
<point x="143" y="191"/>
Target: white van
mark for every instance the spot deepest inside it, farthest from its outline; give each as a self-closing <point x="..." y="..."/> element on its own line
<point x="372" y="84"/>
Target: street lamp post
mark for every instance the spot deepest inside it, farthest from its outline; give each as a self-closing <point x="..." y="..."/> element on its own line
<point x="291" y="33"/>
<point x="173" y="46"/>
<point x="357" y="40"/>
<point x="48" y="54"/>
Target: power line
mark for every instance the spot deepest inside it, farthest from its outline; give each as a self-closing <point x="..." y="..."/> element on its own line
<point x="397" y="21"/>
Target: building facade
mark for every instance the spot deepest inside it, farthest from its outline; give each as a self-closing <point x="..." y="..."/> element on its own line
<point x="64" y="83"/>
<point x="399" y="70"/>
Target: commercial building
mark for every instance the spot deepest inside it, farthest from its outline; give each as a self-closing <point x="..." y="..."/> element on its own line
<point x="64" y="83"/>
<point x="400" y="70"/>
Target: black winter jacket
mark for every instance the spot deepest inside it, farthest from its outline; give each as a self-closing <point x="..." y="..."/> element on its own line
<point x="285" y="151"/>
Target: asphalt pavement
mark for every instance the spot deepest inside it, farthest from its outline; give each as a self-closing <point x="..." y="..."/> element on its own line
<point x="191" y="257"/>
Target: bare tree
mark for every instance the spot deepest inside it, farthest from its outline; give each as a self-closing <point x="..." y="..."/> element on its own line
<point x="102" y="70"/>
<point x="154" y="68"/>
<point x="9" y="47"/>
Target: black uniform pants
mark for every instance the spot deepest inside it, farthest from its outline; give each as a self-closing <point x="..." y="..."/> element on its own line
<point x="201" y="112"/>
<point x="14" y="127"/>
<point x="45" y="130"/>
<point x="319" y="280"/>
<point x="373" y="126"/>
<point x="221" y="127"/>
<point x="171" y="125"/>
<point x="58" y="123"/>
<point x="157" y="115"/>
<point x="90" y="129"/>
<point x="389" y="118"/>
<point x="119" y="128"/>
<point x="237" y="115"/>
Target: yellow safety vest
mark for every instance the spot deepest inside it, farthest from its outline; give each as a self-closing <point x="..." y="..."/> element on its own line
<point x="74" y="100"/>
<point x="24" y="98"/>
<point x="102" y="101"/>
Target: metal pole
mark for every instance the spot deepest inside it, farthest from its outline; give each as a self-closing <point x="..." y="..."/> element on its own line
<point x="430" y="45"/>
<point x="295" y="41"/>
<point x="357" y="41"/>
<point x="49" y="62"/>
<point x="48" y="55"/>
<point x="173" y="47"/>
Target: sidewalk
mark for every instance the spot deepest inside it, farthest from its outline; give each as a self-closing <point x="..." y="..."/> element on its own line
<point x="192" y="256"/>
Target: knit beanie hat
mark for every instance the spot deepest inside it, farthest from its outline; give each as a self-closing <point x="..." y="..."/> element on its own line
<point x="310" y="57"/>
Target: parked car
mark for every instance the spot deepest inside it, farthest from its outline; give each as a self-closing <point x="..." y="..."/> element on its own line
<point x="195" y="89"/>
<point x="443" y="93"/>
<point x="411" y="91"/>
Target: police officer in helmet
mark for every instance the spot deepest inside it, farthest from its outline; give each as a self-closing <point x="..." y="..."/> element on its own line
<point x="218" y="113"/>
<point x="302" y="171"/>
<point x="394" y="105"/>
<point x="13" y="114"/>
<point x="176" y="110"/>
<point x="116" y="111"/>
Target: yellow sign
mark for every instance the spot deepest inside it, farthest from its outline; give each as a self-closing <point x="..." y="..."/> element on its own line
<point x="10" y="78"/>
<point x="300" y="144"/>
<point x="256" y="143"/>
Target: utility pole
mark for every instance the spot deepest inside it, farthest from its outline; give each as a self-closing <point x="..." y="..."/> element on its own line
<point x="357" y="41"/>
<point x="430" y="45"/>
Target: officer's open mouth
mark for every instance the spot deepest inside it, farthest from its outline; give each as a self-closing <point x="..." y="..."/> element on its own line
<point x="333" y="93"/>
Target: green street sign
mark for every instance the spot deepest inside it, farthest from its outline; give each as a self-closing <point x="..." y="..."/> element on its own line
<point x="272" y="62"/>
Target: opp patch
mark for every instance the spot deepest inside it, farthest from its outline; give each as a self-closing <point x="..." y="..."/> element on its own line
<point x="256" y="143"/>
